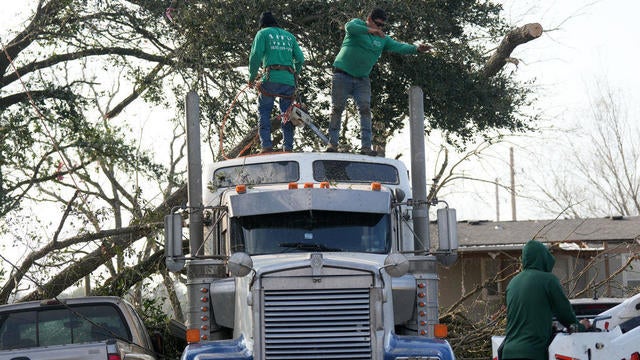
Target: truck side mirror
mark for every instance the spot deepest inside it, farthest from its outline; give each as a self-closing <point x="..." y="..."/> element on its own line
<point x="447" y="236"/>
<point x="396" y="264"/>
<point x="240" y="264"/>
<point x="173" y="242"/>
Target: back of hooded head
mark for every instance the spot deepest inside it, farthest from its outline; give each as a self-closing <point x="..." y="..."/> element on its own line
<point x="267" y="20"/>
<point x="536" y="256"/>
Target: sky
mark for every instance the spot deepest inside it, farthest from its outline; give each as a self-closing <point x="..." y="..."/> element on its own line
<point x="585" y="42"/>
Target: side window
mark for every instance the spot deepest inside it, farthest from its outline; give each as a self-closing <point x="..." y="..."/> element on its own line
<point x="18" y="330"/>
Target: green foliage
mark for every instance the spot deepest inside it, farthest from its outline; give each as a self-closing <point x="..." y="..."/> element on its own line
<point x="216" y="39"/>
<point x="157" y="322"/>
<point x="206" y="48"/>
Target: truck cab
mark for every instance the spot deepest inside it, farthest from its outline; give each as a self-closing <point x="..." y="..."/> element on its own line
<point x="309" y="255"/>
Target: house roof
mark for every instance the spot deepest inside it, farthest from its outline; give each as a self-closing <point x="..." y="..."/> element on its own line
<point x="489" y="235"/>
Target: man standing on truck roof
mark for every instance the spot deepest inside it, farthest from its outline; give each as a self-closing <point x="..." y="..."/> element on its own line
<point x="278" y="52"/>
<point x="362" y="46"/>
<point x="534" y="296"/>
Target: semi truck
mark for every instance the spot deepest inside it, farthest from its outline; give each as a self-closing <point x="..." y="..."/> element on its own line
<point x="311" y="255"/>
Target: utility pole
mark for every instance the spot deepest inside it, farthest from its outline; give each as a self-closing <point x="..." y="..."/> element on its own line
<point x="497" y="199"/>
<point x="513" y="184"/>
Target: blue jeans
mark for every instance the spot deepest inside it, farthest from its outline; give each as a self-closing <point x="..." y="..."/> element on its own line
<point x="265" y="105"/>
<point x="342" y="87"/>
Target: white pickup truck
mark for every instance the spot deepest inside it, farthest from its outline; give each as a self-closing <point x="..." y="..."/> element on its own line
<point x="88" y="328"/>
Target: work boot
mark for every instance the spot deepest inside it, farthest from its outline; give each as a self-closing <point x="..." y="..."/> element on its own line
<point x="331" y="148"/>
<point x="368" y="151"/>
<point x="266" y="149"/>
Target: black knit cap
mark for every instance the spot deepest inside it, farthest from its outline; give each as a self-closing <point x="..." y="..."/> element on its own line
<point x="378" y="14"/>
<point x="267" y="20"/>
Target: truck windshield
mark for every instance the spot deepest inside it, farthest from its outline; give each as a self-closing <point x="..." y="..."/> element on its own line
<point x="354" y="171"/>
<point x="254" y="174"/>
<point x="47" y="326"/>
<point x="311" y="231"/>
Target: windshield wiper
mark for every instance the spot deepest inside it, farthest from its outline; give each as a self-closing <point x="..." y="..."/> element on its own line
<point x="307" y="246"/>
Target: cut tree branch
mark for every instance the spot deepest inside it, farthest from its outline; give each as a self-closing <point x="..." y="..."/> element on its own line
<point x="514" y="38"/>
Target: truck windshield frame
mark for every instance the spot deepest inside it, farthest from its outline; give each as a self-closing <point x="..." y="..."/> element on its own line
<point x="311" y="231"/>
<point x="60" y="325"/>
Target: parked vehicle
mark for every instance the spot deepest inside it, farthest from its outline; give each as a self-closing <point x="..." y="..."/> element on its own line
<point x="588" y="308"/>
<point x="311" y="255"/>
<point x="87" y="328"/>
<point x="616" y="335"/>
<point x="615" y="332"/>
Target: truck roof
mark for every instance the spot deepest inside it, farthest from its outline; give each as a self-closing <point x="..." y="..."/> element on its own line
<point x="68" y="301"/>
<point x="307" y="167"/>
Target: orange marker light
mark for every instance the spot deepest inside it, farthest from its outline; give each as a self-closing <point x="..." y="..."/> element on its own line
<point x="193" y="336"/>
<point x="293" y="186"/>
<point x="241" y="188"/>
<point x="376" y="186"/>
<point x="440" y="331"/>
<point x="324" y="185"/>
<point x="308" y="185"/>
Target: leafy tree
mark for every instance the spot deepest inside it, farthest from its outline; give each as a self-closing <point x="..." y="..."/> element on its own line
<point x="460" y="97"/>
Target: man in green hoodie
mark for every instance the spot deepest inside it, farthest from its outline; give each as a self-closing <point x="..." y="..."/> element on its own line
<point x="362" y="46"/>
<point x="278" y="52"/>
<point x="534" y="296"/>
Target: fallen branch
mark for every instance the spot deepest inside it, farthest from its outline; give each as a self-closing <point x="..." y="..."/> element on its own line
<point x="514" y="38"/>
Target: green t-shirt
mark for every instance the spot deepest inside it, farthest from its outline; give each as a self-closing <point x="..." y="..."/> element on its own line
<point x="361" y="50"/>
<point x="275" y="46"/>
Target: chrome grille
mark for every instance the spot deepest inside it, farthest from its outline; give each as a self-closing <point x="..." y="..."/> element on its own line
<point x="317" y="324"/>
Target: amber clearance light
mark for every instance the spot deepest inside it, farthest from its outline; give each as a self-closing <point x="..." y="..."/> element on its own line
<point x="241" y="188"/>
<point x="440" y="331"/>
<point x="193" y="336"/>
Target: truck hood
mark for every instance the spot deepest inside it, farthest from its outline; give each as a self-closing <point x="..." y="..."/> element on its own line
<point x="274" y="262"/>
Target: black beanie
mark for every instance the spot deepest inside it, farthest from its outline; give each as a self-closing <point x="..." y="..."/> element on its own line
<point x="267" y="20"/>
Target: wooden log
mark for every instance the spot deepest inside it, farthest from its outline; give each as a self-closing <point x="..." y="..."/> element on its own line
<point x="513" y="38"/>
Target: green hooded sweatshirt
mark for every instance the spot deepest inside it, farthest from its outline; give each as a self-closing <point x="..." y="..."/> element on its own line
<point x="534" y="296"/>
<point x="275" y="46"/>
<point x="361" y="50"/>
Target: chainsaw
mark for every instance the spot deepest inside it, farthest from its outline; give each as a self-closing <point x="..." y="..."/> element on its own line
<point x="300" y="117"/>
